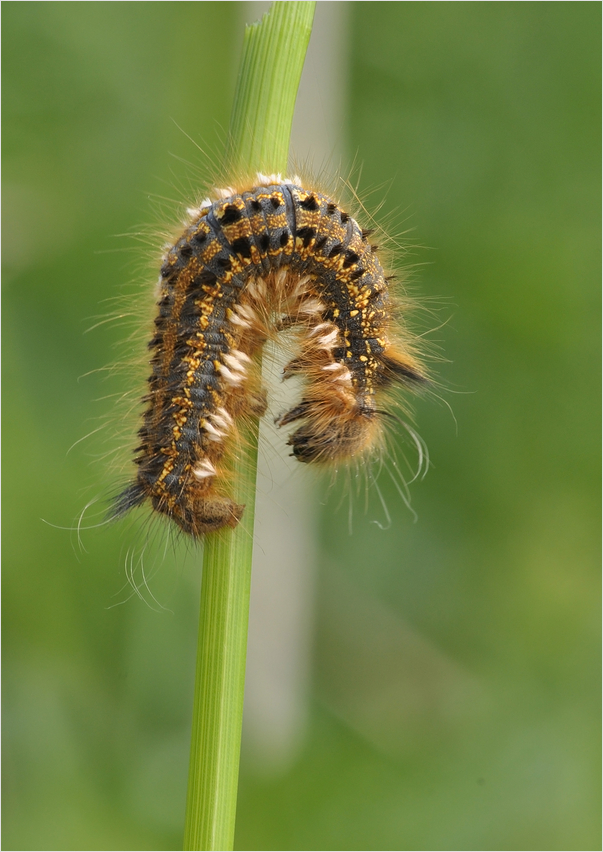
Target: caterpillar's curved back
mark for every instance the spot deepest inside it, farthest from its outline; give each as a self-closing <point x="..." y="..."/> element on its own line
<point x="250" y="264"/>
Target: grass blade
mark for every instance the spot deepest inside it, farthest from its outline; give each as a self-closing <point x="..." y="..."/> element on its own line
<point x="273" y="57"/>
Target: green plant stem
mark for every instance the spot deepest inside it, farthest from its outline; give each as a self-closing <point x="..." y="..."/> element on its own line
<point x="273" y="57"/>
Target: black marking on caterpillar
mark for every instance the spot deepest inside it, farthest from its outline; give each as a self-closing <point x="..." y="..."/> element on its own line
<point x="250" y="264"/>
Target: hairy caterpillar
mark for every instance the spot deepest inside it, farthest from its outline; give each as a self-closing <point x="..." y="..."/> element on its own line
<point x="251" y="263"/>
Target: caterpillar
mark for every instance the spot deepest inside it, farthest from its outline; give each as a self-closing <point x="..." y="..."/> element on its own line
<point x="250" y="263"/>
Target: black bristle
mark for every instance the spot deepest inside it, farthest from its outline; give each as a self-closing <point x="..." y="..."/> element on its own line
<point x="130" y="497"/>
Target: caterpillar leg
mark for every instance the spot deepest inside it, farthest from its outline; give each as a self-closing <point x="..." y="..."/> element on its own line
<point x="207" y="515"/>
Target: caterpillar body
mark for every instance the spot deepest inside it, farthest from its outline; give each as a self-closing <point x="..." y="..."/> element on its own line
<point x="249" y="264"/>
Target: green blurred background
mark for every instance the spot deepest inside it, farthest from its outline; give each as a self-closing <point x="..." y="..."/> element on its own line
<point x="455" y="671"/>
